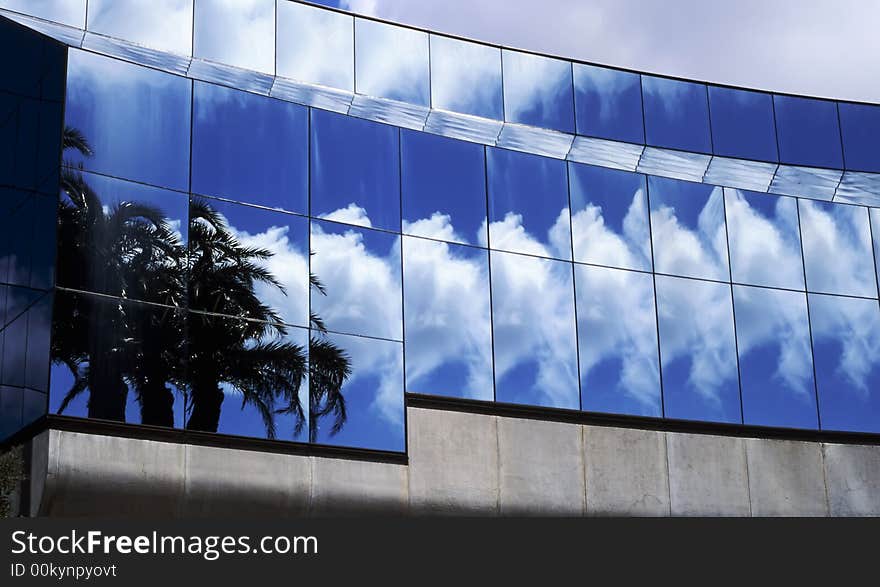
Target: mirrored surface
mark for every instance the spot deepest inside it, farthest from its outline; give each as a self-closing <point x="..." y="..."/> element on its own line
<point x="775" y="358"/>
<point x="676" y="114"/>
<point x="697" y="350"/>
<point x="315" y="46"/>
<point x="609" y="217"/>
<point x="538" y="91"/>
<point x="764" y="237"/>
<point x="808" y="131"/>
<point x="742" y="124"/>
<point x="528" y="204"/>
<point x="466" y="77"/>
<point x="27" y="239"/>
<point x="860" y="129"/>
<point x="608" y="103"/>
<point x="24" y="341"/>
<point x="159" y="24"/>
<point x="69" y="12"/>
<point x="837" y="249"/>
<point x="355" y="171"/>
<point x="241" y="34"/>
<point x="443" y="189"/>
<point x="447" y="319"/>
<point x="534" y="331"/>
<point x="392" y="62"/>
<point x="687" y="224"/>
<point x="135" y="119"/>
<point x="617" y="341"/>
<point x="250" y="148"/>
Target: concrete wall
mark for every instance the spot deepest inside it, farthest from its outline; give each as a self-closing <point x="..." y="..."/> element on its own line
<point x="464" y="464"/>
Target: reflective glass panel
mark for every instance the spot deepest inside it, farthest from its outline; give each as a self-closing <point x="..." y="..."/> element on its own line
<point x="360" y="271"/>
<point x="528" y="204"/>
<point x="860" y="127"/>
<point x="355" y="171"/>
<point x="444" y="188"/>
<point x="159" y="24"/>
<point x="315" y="46"/>
<point x="837" y="248"/>
<point x="874" y="214"/>
<point x="846" y="348"/>
<point x="250" y="148"/>
<point x="69" y="12"/>
<point x="775" y="359"/>
<point x="466" y="77"/>
<point x="676" y="114"/>
<point x="236" y="33"/>
<point x="392" y="62"/>
<point x="697" y="350"/>
<point x="136" y="120"/>
<point x="24" y="341"/>
<point x="27" y="239"/>
<point x="687" y="224"/>
<point x="609" y="218"/>
<point x="248" y="262"/>
<point x="448" y="326"/>
<point x="608" y="103"/>
<point x="534" y="331"/>
<point x="10" y="410"/>
<point x="617" y="341"/>
<point x="742" y="124"/>
<point x="538" y="91"/>
<point x="764" y="237"/>
<point x="808" y="131"/>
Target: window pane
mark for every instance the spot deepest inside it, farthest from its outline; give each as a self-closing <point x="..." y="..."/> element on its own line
<point x="808" y="131"/>
<point x="466" y="77"/>
<point x="775" y="359"/>
<point x="687" y="224"/>
<point x="136" y="120"/>
<point x="534" y="331"/>
<point x="248" y="262"/>
<point x="360" y="273"/>
<point x="69" y="12"/>
<point x="837" y="249"/>
<point x="528" y="204"/>
<point x="617" y="340"/>
<point x="392" y="62"/>
<point x="860" y="127"/>
<point x="27" y="239"/>
<point x="609" y="217"/>
<point x="697" y="350"/>
<point x="444" y="188"/>
<point x="10" y="411"/>
<point x="355" y="171"/>
<point x="373" y="394"/>
<point x="874" y="214"/>
<point x="676" y="114"/>
<point x="846" y="339"/>
<point x="538" y="91"/>
<point x="448" y="327"/>
<point x="315" y="46"/>
<point x="609" y="103"/>
<point x="250" y="148"/>
<point x="236" y="33"/>
<point x="24" y="341"/>
<point x="765" y="242"/>
<point x="742" y="124"/>
<point x="159" y="24"/>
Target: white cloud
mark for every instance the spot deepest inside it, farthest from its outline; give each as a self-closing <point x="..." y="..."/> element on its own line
<point x="596" y="242"/>
<point x="315" y="45"/>
<point x="236" y="32"/>
<point x="160" y="24"/>
<point x="391" y="62"/>
<point x="531" y="81"/>
<point x="474" y="88"/>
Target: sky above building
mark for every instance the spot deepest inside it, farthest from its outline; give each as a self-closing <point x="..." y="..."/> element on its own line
<point x="827" y="48"/>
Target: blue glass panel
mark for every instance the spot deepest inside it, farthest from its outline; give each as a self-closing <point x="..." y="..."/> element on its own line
<point x="21" y="305"/>
<point x="444" y="188"/>
<point x="538" y="91"/>
<point x="39" y="329"/>
<point x="466" y="77"/>
<point x="687" y="224"/>
<point x="160" y="24"/>
<point x="236" y="33"/>
<point x="534" y="331"/>
<point x="697" y="350"/>
<point x="846" y="339"/>
<point x="765" y="241"/>
<point x="860" y="127"/>
<point x="874" y="214"/>
<point x="609" y="218"/>
<point x="315" y="46"/>
<point x="448" y="326"/>
<point x="608" y="103"/>
<point x="27" y="239"/>
<point x="136" y="119"/>
<point x="808" y="131"/>
<point x="69" y="12"/>
<point x="528" y="204"/>
<point x="837" y="248"/>
<point x="775" y="359"/>
<point x="676" y="114"/>
<point x="360" y="271"/>
<point x="10" y="410"/>
<point x="250" y="148"/>
<point x="355" y="171"/>
<point x="742" y="124"/>
<point x="617" y="341"/>
<point x="391" y="62"/>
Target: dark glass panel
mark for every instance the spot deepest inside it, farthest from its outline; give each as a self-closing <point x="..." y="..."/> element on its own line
<point x="860" y="127"/>
<point x="608" y="103"/>
<point x="10" y="410"/>
<point x="676" y="114"/>
<point x="742" y="124"/>
<point x="808" y="132"/>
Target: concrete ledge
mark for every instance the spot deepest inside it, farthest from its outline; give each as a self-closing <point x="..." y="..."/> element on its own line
<point x="852" y="474"/>
<point x="786" y="478"/>
<point x="707" y="475"/>
<point x="342" y="487"/>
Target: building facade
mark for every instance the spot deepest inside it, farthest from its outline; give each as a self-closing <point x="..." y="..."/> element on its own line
<point x="271" y="252"/>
